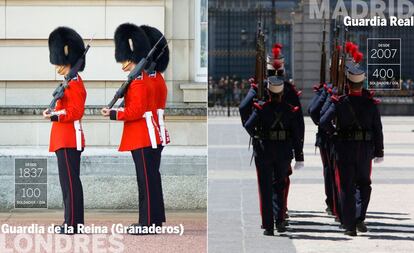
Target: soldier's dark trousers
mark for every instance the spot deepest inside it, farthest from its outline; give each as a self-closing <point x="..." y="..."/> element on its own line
<point x="150" y="197"/>
<point x="275" y="187"/>
<point x="328" y="177"/>
<point x="269" y="172"/>
<point x="69" y="171"/>
<point x="353" y="175"/>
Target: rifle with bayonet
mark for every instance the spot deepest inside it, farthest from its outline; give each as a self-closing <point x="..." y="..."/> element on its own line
<point x="341" y="69"/>
<point x="73" y="73"/>
<point x="260" y="70"/>
<point x="322" y="76"/>
<point x="151" y="68"/>
<point x="335" y="56"/>
<point x="120" y="93"/>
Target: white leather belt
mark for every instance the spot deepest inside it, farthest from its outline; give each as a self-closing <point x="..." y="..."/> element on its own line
<point x="78" y="133"/>
<point x="160" y="113"/>
<point x="151" y="129"/>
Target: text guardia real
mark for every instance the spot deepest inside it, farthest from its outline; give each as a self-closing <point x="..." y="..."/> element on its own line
<point x="377" y="21"/>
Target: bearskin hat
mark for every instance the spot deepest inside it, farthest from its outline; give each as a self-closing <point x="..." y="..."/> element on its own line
<point x="131" y="43"/>
<point x="66" y="46"/>
<point x="154" y="35"/>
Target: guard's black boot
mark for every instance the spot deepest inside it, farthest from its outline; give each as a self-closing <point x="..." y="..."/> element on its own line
<point x="280" y="227"/>
<point x="362" y="227"/>
<point x="351" y="232"/>
<point x="269" y="232"/>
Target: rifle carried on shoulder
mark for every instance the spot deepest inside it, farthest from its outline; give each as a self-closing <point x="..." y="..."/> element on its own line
<point x="335" y="56"/>
<point x="73" y="73"/>
<point x="342" y="63"/>
<point x="322" y="76"/>
<point x="120" y="93"/>
<point x="260" y="70"/>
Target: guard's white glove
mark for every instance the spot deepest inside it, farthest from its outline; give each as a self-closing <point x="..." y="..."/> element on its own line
<point x="299" y="165"/>
<point x="378" y="159"/>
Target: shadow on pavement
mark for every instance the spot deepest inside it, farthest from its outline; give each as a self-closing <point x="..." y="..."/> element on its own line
<point x="309" y="237"/>
<point x="379" y="228"/>
<point x="388" y="237"/>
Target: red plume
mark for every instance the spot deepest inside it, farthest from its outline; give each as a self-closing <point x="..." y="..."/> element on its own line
<point x="275" y="52"/>
<point x="358" y="56"/>
<point x="277" y="64"/>
<point x="348" y="46"/>
<point x="354" y="49"/>
<point x="278" y="45"/>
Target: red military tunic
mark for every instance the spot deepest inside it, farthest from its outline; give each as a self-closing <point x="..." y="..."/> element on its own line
<point x="68" y="112"/>
<point x="139" y="98"/>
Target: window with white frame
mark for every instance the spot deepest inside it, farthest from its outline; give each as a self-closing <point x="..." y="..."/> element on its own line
<point x="201" y="33"/>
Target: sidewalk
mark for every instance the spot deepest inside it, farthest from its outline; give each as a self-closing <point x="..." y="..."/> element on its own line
<point x="233" y="206"/>
<point x="193" y="239"/>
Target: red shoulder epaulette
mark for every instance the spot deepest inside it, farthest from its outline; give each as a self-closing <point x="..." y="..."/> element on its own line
<point x="376" y="101"/>
<point x="257" y="106"/>
<point x="295" y="108"/>
<point x="371" y="94"/>
<point x="335" y="98"/>
<point x="329" y="90"/>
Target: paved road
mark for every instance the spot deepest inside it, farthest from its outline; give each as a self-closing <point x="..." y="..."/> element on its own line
<point x="233" y="208"/>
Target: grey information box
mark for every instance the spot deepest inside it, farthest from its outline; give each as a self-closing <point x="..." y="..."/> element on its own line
<point x="30" y="183"/>
<point x="384" y="63"/>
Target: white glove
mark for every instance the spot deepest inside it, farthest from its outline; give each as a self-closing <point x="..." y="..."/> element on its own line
<point x="299" y="165"/>
<point x="378" y="159"/>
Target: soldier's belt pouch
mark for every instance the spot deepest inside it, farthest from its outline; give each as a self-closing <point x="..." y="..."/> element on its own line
<point x="358" y="135"/>
<point x="279" y="135"/>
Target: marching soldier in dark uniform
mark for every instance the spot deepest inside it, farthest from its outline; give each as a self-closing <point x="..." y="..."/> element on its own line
<point x="358" y="138"/>
<point x="275" y="135"/>
<point x="140" y="134"/>
<point x="322" y="94"/>
<point x="66" y="47"/>
<point x="276" y="66"/>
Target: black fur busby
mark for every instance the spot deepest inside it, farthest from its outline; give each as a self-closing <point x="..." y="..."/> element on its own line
<point x="154" y="35"/>
<point x="66" y="46"/>
<point x="131" y="43"/>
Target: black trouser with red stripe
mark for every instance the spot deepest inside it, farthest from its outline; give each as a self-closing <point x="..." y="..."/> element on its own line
<point x="69" y="172"/>
<point x="271" y="177"/>
<point x="150" y="197"/>
<point x="354" y="175"/>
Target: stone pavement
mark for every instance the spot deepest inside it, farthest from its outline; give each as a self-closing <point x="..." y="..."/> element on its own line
<point x="233" y="208"/>
<point x="194" y="238"/>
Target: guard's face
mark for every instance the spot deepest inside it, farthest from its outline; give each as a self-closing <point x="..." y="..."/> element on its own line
<point x="275" y="97"/>
<point x="62" y="69"/>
